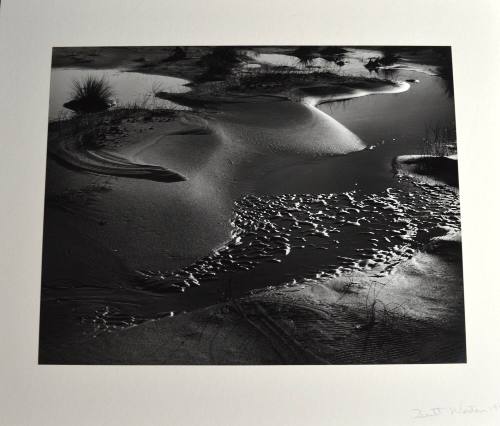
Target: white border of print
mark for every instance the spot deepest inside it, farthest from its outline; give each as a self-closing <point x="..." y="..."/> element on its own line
<point x="324" y="395"/>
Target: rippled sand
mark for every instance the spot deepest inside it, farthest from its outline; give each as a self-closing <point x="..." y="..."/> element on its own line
<point x="199" y="238"/>
<point x="331" y="234"/>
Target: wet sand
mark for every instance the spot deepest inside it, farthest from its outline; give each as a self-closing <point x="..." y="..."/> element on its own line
<point x="413" y="315"/>
<point x="188" y="225"/>
<point x="219" y="156"/>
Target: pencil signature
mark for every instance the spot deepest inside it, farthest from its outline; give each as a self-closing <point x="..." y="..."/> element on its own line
<point x="459" y="410"/>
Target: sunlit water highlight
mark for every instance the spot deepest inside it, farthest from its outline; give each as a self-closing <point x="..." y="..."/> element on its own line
<point x="317" y="218"/>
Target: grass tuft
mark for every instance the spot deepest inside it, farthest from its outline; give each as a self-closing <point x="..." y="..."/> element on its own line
<point x="220" y="62"/>
<point x="306" y="54"/>
<point x="91" y="94"/>
<point x="440" y="140"/>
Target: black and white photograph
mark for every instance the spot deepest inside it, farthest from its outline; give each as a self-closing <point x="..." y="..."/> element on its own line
<point x="249" y="213"/>
<point x="252" y="205"/>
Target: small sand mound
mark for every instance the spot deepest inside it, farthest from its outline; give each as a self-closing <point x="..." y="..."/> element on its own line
<point x="429" y="168"/>
<point x="286" y="126"/>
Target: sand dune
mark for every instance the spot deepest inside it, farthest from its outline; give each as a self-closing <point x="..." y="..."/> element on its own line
<point x="70" y="152"/>
<point x="285" y="127"/>
<point x="233" y="231"/>
<point x="286" y="122"/>
<point x="217" y="156"/>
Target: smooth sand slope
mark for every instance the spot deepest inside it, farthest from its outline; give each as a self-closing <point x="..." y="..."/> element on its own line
<point x="209" y="159"/>
<point x="192" y="169"/>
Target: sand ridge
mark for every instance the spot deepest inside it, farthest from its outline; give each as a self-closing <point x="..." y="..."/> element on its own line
<point x="197" y="218"/>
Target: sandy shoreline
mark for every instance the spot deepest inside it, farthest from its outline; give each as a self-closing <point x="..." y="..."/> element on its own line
<point x="154" y="202"/>
<point x="213" y="153"/>
<point x="429" y="168"/>
<point x="346" y="320"/>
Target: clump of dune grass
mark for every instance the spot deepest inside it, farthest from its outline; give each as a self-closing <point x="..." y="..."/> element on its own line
<point x="444" y="68"/>
<point x="306" y="54"/>
<point x="220" y="62"/>
<point x="91" y="94"/>
<point x="439" y="140"/>
<point x="282" y="78"/>
<point x="439" y="143"/>
<point x="376" y="311"/>
<point x="389" y="57"/>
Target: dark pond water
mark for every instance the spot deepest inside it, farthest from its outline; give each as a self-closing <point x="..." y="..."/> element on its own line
<point x="391" y="124"/>
<point x="317" y="217"/>
<point x="128" y="88"/>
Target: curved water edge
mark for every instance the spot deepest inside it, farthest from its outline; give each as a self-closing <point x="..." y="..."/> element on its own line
<point x="128" y="87"/>
<point x="317" y="235"/>
<point x="287" y="120"/>
<point x="353" y="63"/>
<point x="429" y="168"/>
<point x="420" y="213"/>
<point x="316" y="96"/>
<point x="282" y="126"/>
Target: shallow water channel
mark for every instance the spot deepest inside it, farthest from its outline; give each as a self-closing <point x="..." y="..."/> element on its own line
<point x="315" y="218"/>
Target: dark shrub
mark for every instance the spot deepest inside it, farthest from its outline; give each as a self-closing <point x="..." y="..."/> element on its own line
<point x="220" y="62"/>
<point x="306" y="54"/>
<point x="90" y="95"/>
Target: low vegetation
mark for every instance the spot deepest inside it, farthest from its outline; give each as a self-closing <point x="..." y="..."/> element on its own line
<point x="389" y="57"/>
<point x="306" y="54"/>
<point x="91" y="94"/>
<point x="220" y="62"/>
<point x="92" y="128"/>
<point x="282" y="78"/>
<point x="435" y="159"/>
<point x="440" y="140"/>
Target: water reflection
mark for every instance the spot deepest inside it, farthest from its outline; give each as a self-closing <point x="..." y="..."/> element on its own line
<point x="389" y="124"/>
<point x="128" y="88"/>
